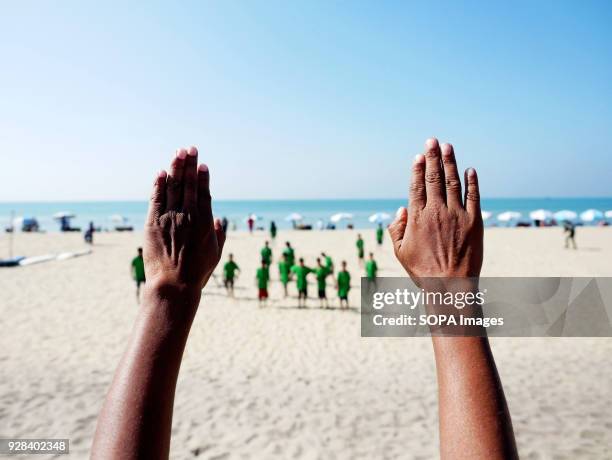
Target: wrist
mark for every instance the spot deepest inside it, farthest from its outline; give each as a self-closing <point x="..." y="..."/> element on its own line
<point x="172" y="303"/>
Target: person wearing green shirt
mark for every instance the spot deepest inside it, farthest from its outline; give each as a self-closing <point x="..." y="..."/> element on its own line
<point x="329" y="263"/>
<point x="290" y="254"/>
<point x="371" y="271"/>
<point x="229" y="273"/>
<point x="138" y="272"/>
<point x="266" y="253"/>
<point x="321" y="272"/>
<point x="343" y="284"/>
<point x="301" y="272"/>
<point x="359" y="245"/>
<point x="284" y="269"/>
<point x="379" y="234"/>
<point x="262" y="276"/>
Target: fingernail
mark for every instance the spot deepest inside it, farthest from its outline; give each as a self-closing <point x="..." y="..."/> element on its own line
<point x="162" y="174"/>
<point x="471" y="172"/>
<point x="399" y="211"/>
<point x="447" y="149"/>
<point x="420" y="158"/>
<point x="181" y="154"/>
<point x="203" y="168"/>
<point x="192" y="151"/>
<point x="431" y="143"/>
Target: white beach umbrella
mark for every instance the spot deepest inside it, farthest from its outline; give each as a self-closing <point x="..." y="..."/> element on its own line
<point x="486" y="215"/>
<point x="591" y="215"/>
<point x="608" y="214"/>
<point x="63" y="214"/>
<point x="379" y="217"/>
<point x="508" y="216"/>
<point x="118" y="218"/>
<point x="565" y="214"/>
<point x="294" y="216"/>
<point x="341" y="216"/>
<point x="541" y="214"/>
<point x="252" y="216"/>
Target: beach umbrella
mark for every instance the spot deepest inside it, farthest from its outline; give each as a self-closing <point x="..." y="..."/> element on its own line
<point x="591" y="215"/>
<point x="486" y="215"/>
<point x="565" y="214"/>
<point x="608" y="214"/>
<point x="341" y="216"/>
<point x="508" y="216"/>
<point x="63" y="215"/>
<point x="294" y="216"/>
<point x="541" y="214"/>
<point x="252" y="216"/>
<point x="379" y="217"/>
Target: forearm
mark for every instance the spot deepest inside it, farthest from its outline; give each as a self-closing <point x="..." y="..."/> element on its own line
<point x="474" y="418"/>
<point x="136" y="419"/>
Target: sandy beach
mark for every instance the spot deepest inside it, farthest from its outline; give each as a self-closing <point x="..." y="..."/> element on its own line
<point x="287" y="383"/>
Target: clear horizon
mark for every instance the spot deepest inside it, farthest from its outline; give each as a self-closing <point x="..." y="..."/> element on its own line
<point x="303" y="101"/>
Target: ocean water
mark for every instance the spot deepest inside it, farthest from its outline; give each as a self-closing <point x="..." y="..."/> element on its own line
<point x="312" y="210"/>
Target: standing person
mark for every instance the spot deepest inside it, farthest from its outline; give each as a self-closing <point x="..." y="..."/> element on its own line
<point x="224" y="224"/>
<point x="301" y="272"/>
<point x="266" y="254"/>
<point x="273" y="230"/>
<point x="343" y="284"/>
<point x="359" y="245"/>
<point x="284" y="269"/>
<point x="89" y="233"/>
<point x="379" y="234"/>
<point x="262" y="276"/>
<point x="371" y="268"/>
<point x="570" y="232"/>
<point x="229" y="274"/>
<point x="329" y="263"/>
<point x="138" y="272"/>
<point x="321" y="273"/>
<point x="250" y="223"/>
<point x="290" y="254"/>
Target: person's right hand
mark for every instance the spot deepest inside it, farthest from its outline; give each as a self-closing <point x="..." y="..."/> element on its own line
<point x="182" y="243"/>
<point x="440" y="235"/>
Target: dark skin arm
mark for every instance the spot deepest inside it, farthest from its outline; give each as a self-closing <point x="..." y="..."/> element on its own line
<point x="442" y="236"/>
<point x="182" y="247"/>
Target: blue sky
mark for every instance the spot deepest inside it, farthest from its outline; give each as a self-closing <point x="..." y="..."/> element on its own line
<point x="303" y="100"/>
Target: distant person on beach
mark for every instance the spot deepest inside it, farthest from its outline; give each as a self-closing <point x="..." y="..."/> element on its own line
<point x="371" y="268"/>
<point x="290" y="252"/>
<point x="89" y="233"/>
<point x="136" y="417"/>
<point x="379" y="234"/>
<point x="284" y="270"/>
<point x="273" y="230"/>
<point x="570" y="233"/>
<point x="224" y="224"/>
<point x="321" y="273"/>
<point x="301" y="271"/>
<point x="329" y="263"/>
<point x="262" y="277"/>
<point x="343" y="285"/>
<point x="266" y="254"/>
<point x="138" y="272"/>
<point x="229" y="275"/>
<point x="250" y="223"/>
<point x="360" y="251"/>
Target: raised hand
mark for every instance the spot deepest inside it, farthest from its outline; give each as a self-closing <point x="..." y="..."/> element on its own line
<point x="441" y="235"/>
<point x="182" y="243"/>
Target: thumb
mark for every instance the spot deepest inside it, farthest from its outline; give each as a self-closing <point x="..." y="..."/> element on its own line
<point x="398" y="228"/>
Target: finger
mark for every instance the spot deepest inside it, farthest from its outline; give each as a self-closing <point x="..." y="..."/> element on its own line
<point x="158" y="198"/>
<point x="220" y="235"/>
<point x="174" y="188"/>
<point x="451" y="176"/>
<point x="190" y="179"/>
<point x="204" y="200"/>
<point x="434" y="176"/>
<point x="397" y="229"/>
<point x="472" y="193"/>
<point x="418" y="196"/>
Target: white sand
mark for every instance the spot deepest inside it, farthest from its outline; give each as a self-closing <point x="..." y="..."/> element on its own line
<point x="287" y="383"/>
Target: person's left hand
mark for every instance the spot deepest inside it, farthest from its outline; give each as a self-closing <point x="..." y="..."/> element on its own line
<point x="182" y="243"/>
